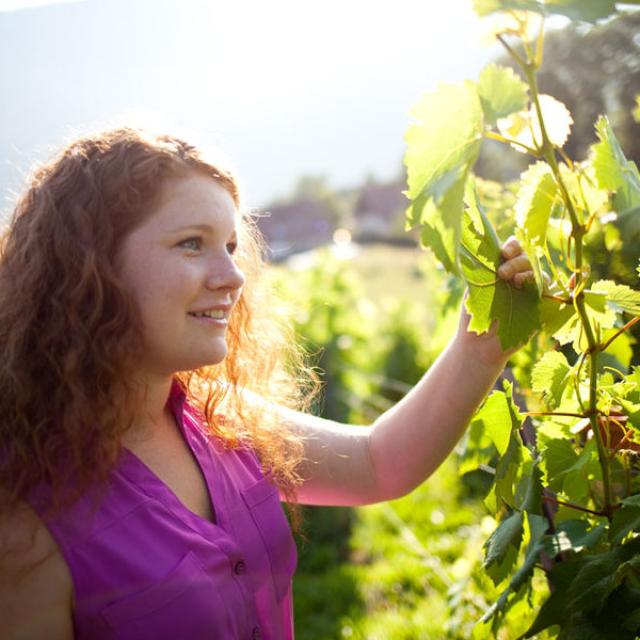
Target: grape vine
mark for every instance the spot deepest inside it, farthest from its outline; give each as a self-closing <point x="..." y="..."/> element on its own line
<point x="566" y="469"/>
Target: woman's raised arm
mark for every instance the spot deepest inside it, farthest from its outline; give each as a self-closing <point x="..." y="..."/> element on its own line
<point x="350" y="465"/>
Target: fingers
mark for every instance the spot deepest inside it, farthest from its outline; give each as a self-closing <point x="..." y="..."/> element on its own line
<point x="523" y="276"/>
<point x="517" y="266"/>
<point x="511" y="248"/>
<point x="514" y="266"/>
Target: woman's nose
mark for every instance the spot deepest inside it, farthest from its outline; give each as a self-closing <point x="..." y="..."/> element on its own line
<point x="225" y="274"/>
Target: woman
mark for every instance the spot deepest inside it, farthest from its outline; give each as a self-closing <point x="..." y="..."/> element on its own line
<point x="149" y="417"/>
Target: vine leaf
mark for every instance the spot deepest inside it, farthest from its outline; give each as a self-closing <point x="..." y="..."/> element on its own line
<point x="625" y="519"/>
<point x="572" y="535"/>
<point x="585" y="589"/>
<point x="553" y="610"/>
<point x="501" y="92"/>
<point x="619" y="296"/>
<point x="558" y="457"/>
<point x="501" y="548"/>
<point x="524" y="126"/>
<point x="599" y="313"/>
<point x="565" y="470"/>
<point x="537" y="526"/>
<point x="619" y="353"/>
<point x="550" y="377"/>
<point x="478" y="448"/>
<point x="554" y="315"/>
<point x="497" y="420"/>
<point x="613" y="171"/>
<point x="536" y="198"/>
<point x="442" y="145"/>
<point x="583" y="190"/>
<point x="515" y="462"/>
<point x="491" y="298"/>
<point x="600" y="575"/>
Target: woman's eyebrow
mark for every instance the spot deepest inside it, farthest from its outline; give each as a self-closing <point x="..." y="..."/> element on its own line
<point x="200" y="227"/>
<point x="204" y="227"/>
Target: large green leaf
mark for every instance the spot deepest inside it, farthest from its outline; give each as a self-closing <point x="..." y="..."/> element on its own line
<point x="512" y="464"/>
<point x="554" y="610"/>
<point x="581" y="185"/>
<point x="550" y="377"/>
<point x="619" y="353"/>
<point x="501" y="549"/>
<point x="528" y="493"/>
<point x="524" y="127"/>
<point x="585" y="470"/>
<point x="559" y="457"/>
<point x="491" y="298"/>
<point x="619" y="296"/>
<point x="442" y="144"/>
<point x="555" y="316"/>
<point x="599" y="576"/>
<point x="565" y="470"/>
<point x="625" y="519"/>
<point x="497" y="420"/>
<point x="537" y="526"/>
<point x="572" y="535"/>
<point x="580" y="598"/>
<point x="598" y="311"/>
<point x="536" y="198"/>
<point x="502" y="92"/>
<point x="613" y="171"/>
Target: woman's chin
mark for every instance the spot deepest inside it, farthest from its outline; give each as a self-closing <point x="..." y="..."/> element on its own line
<point x="212" y="359"/>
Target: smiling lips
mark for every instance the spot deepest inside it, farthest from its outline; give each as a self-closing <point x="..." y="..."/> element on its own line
<point x="219" y="313"/>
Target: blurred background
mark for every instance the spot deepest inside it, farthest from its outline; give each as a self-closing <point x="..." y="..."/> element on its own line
<point x="310" y="101"/>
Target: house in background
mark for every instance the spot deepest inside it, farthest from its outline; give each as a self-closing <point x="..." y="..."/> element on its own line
<point x="376" y="214"/>
<point x="294" y="227"/>
<point x="379" y="212"/>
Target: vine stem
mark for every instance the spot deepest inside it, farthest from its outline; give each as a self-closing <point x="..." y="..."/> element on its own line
<point x="512" y="52"/>
<point x="619" y="332"/>
<point x="570" y="505"/>
<point x="492" y="135"/>
<point x="554" y="413"/>
<point x="577" y="233"/>
<point x="556" y="298"/>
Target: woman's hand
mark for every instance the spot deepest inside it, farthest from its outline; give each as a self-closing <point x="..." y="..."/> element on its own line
<point x="485" y="347"/>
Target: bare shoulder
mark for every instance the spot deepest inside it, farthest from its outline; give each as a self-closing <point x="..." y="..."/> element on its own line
<point x="35" y="582"/>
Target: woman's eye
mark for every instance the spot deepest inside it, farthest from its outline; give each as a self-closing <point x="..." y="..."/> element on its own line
<point x="231" y="247"/>
<point x="194" y="244"/>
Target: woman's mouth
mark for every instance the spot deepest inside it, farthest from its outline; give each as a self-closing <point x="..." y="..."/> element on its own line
<point x="218" y="316"/>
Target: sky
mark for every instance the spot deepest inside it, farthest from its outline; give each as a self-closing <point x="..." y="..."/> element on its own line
<point x="285" y="88"/>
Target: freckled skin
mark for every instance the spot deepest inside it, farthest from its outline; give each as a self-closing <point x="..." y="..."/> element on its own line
<point x="172" y="268"/>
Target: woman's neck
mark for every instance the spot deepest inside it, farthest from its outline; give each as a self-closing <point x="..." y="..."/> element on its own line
<point x="153" y="415"/>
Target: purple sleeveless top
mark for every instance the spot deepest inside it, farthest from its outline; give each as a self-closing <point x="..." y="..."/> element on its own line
<point x="146" y="567"/>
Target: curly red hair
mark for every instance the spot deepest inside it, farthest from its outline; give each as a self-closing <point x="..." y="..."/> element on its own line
<point x="70" y="332"/>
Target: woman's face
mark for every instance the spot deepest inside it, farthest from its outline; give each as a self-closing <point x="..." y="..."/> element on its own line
<point x="179" y="268"/>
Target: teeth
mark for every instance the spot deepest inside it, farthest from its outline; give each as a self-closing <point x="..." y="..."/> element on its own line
<point x="214" y="313"/>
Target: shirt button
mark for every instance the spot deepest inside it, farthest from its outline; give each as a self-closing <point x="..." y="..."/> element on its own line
<point x="256" y="634"/>
<point x="240" y="568"/>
